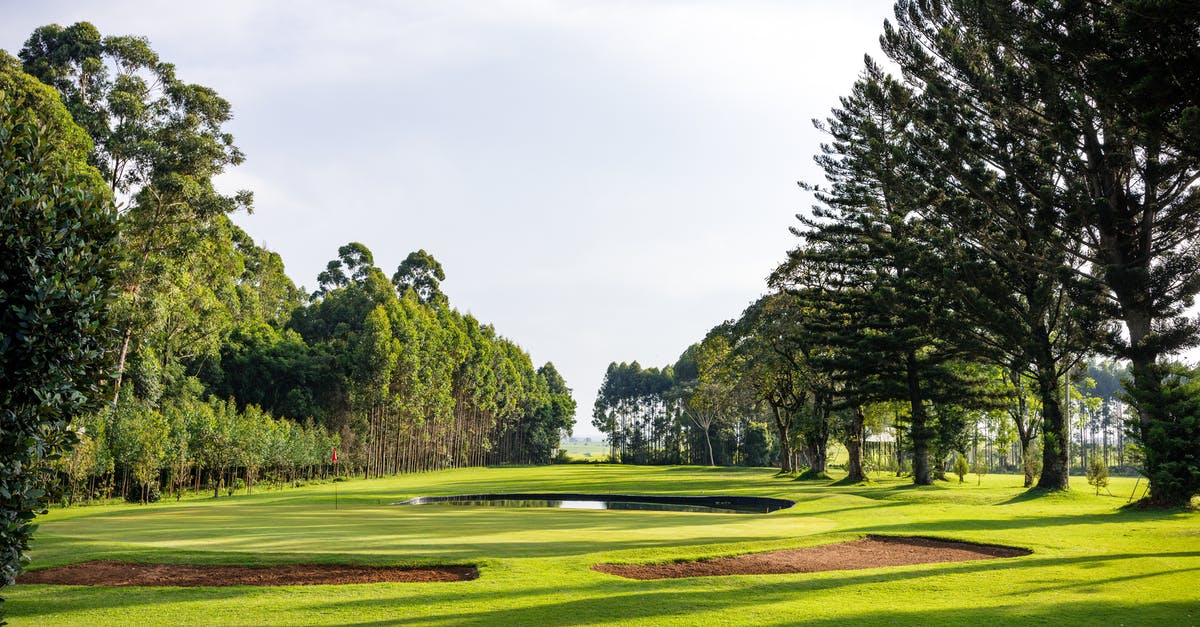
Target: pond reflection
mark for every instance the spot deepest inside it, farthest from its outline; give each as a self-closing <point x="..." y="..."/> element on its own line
<point x="695" y="504"/>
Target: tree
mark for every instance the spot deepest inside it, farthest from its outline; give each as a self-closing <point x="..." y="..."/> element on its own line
<point x="961" y="468"/>
<point x="870" y="265"/>
<point x="707" y="397"/>
<point x="421" y="273"/>
<point x="1097" y="474"/>
<point x="58" y="266"/>
<point x="157" y="140"/>
<point x="1110" y="91"/>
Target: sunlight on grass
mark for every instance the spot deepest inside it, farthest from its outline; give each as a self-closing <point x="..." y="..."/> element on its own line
<point x="1092" y="561"/>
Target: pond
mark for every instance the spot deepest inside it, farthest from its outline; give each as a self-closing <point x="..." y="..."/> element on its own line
<point x="696" y="504"/>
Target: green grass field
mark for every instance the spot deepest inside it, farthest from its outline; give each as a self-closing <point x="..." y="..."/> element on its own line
<point x="1093" y="563"/>
<point x="595" y="450"/>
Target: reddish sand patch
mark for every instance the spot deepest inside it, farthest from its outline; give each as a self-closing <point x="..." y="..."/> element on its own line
<point x="107" y="573"/>
<point x="870" y="552"/>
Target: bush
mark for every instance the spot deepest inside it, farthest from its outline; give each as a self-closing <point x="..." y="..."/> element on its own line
<point x="58" y="266"/>
<point x="561" y="457"/>
<point x="234" y="486"/>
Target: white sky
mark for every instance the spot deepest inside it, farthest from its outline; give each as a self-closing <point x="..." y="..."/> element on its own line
<point x="602" y="181"/>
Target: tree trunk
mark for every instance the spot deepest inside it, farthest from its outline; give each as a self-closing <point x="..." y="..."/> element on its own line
<point x="919" y="427"/>
<point x="854" y="446"/>
<point x="785" y="449"/>
<point x="1056" y="460"/>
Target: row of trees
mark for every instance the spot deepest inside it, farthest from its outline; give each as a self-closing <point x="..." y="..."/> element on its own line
<point x="131" y="303"/>
<point x="405" y="381"/>
<point x="1025" y="185"/>
<point x="1022" y="196"/>
<point x="670" y="416"/>
<point x="179" y="445"/>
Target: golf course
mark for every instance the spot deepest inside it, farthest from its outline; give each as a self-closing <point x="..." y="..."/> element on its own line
<point x="1092" y="560"/>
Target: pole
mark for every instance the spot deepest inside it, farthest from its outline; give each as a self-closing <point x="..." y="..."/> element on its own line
<point x="334" y="458"/>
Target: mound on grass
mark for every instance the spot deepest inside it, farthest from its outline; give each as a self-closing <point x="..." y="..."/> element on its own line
<point x="110" y="573"/>
<point x="870" y="552"/>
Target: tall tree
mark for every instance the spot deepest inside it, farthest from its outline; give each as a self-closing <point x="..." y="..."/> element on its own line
<point x="870" y="265"/>
<point x="1110" y="95"/>
<point x="158" y="141"/>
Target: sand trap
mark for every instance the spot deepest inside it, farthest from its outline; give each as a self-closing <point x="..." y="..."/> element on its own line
<point x="870" y="552"/>
<point x="108" y="573"/>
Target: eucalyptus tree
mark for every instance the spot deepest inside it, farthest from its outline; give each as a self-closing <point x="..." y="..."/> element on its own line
<point x="158" y="141"/>
<point x="58" y="271"/>
<point x="423" y="274"/>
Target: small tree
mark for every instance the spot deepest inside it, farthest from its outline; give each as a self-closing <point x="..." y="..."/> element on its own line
<point x="1097" y="474"/>
<point x="980" y="468"/>
<point x="961" y="467"/>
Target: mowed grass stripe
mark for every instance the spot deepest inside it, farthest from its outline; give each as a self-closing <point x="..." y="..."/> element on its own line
<point x="1092" y="560"/>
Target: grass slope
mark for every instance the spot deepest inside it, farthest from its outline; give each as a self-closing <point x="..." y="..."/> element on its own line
<point x="1092" y="561"/>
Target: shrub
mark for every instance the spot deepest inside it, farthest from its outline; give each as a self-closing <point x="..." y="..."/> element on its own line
<point x="58" y="265"/>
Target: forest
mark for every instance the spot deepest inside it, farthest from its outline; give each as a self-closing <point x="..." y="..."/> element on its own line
<point x="1003" y="253"/>
<point x="226" y="374"/>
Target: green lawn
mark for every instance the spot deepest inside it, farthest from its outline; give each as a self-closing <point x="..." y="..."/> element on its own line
<point x="595" y="450"/>
<point x="1092" y="563"/>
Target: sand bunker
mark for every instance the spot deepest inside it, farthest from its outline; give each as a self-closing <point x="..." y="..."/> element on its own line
<point x="107" y="573"/>
<point x="870" y="552"/>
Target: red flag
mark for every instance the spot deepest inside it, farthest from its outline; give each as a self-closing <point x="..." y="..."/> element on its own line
<point x="334" y="456"/>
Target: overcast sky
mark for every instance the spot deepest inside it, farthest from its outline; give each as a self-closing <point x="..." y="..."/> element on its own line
<point x="602" y="181"/>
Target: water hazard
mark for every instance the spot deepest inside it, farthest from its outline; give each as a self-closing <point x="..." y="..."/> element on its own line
<point x="695" y="504"/>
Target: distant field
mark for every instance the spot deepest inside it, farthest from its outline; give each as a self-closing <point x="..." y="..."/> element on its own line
<point x="594" y="450"/>
<point x="1092" y="562"/>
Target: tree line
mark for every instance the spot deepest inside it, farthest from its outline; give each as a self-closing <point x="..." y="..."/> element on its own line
<point x="223" y="372"/>
<point x="1020" y="196"/>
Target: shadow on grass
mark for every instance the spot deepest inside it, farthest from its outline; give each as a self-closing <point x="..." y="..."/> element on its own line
<point x="618" y="600"/>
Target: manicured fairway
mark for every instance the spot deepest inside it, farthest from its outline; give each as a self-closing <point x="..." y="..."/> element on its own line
<point x="1092" y="562"/>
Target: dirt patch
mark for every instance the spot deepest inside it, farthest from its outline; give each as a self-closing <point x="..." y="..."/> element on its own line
<point x="870" y="552"/>
<point x="108" y="573"/>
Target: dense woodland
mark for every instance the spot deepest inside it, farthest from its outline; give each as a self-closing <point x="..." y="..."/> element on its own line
<point x="1019" y="199"/>
<point x="226" y="374"/>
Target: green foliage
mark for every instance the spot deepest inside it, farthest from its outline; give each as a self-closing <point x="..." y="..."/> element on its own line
<point x="1169" y="432"/>
<point x="1097" y="474"/>
<point x="422" y="274"/>
<point x="57" y="271"/>
<point x="961" y="467"/>
<point x="758" y="445"/>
